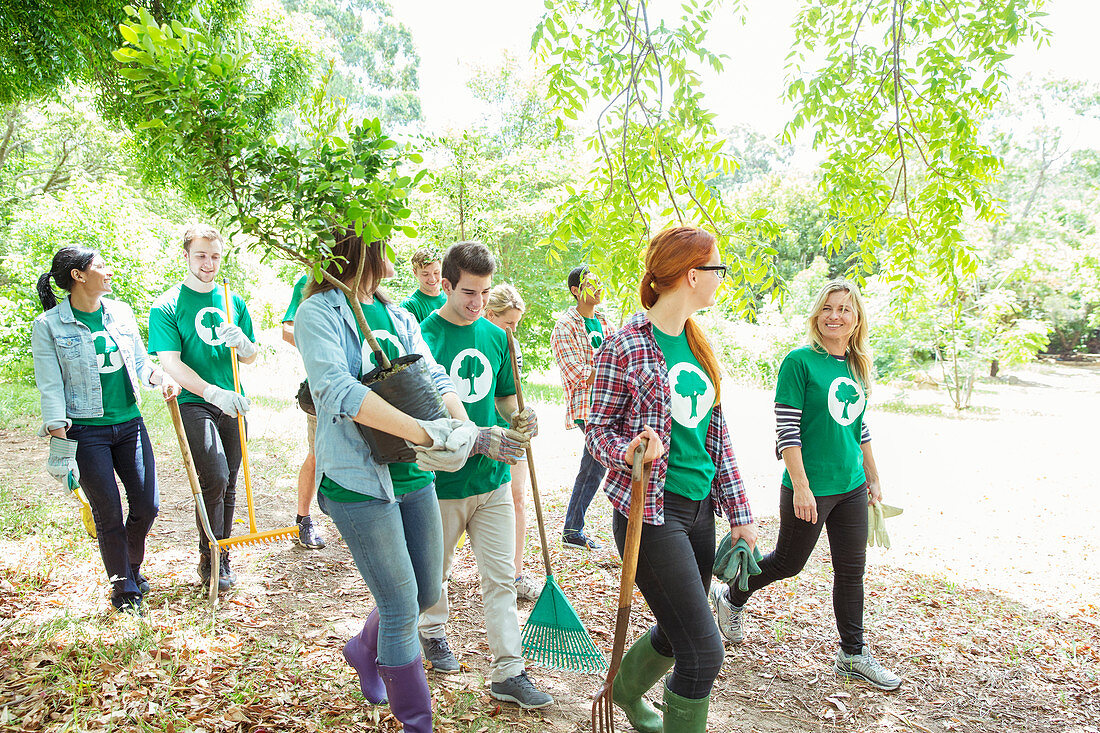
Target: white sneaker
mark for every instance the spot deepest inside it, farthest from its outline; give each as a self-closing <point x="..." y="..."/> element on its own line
<point x="729" y="615"/>
<point x="864" y="667"/>
<point x="527" y="590"/>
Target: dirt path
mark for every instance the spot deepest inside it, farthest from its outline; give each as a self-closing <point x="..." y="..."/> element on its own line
<point x="995" y="501"/>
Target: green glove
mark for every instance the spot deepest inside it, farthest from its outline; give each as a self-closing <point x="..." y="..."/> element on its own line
<point x="734" y="564"/>
<point x="876" y="523"/>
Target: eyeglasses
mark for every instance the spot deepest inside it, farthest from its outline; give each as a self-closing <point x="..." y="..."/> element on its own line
<point x="719" y="270"/>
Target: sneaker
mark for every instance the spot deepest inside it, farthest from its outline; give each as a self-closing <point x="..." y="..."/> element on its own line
<point x="865" y="667"/>
<point x="526" y="590"/>
<point x="579" y="541"/>
<point x="141" y="580"/>
<point x="729" y="615"/>
<point x="204" y="574"/>
<point x="439" y="654"/>
<point x="225" y="572"/>
<point x="128" y="604"/>
<point x="521" y="691"/>
<point x="308" y="536"/>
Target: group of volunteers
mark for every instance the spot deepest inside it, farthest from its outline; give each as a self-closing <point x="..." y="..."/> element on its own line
<point x="655" y="378"/>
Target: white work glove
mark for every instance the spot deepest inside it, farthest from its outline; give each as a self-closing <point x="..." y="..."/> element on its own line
<point x="506" y="446"/>
<point x="452" y="442"/>
<point x="62" y="460"/>
<point x="525" y="421"/>
<point x="227" y="401"/>
<point x="233" y="336"/>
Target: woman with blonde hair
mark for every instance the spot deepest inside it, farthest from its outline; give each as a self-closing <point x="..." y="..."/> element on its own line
<point x="657" y="377"/>
<point x="830" y="477"/>
<point x="505" y="309"/>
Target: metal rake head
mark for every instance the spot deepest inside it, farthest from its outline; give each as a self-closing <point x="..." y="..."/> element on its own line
<point x="603" y="711"/>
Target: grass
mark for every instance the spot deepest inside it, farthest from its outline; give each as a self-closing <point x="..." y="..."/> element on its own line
<point x="538" y="392"/>
<point x="19" y="405"/>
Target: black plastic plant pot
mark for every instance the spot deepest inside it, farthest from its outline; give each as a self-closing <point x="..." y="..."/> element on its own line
<point x="408" y="386"/>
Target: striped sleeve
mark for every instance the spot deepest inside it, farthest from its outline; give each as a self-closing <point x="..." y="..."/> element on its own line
<point x="865" y="434"/>
<point x="788" y="428"/>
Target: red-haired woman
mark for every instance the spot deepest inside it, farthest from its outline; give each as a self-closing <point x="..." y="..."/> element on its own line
<point x="657" y="377"/>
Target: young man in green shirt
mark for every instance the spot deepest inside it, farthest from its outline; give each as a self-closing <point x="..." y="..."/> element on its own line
<point x="477" y="499"/>
<point x="308" y="536"/>
<point x="427" y="298"/>
<point x="189" y="332"/>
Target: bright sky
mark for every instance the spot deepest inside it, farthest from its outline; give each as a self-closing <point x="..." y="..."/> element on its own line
<point x="452" y="38"/>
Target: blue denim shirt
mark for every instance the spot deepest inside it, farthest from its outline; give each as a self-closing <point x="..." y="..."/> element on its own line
<point x="328" y="340"/>
<point x="65" y="367"/>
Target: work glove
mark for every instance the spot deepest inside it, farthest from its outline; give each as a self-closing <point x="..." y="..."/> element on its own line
<point x="876" y="523"/>
<point x="233" y="336"/>
<point x="85" y="508"/>
<point x="506" y="446"/>
<point x="62" y="460"/>
<point x="525" y="421"/>
<point x="229" y="402"/>
<point x="735" y="563"/>
<point x="452" y="442"/>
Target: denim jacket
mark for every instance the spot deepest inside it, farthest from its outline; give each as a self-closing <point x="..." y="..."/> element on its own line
<point x="328" y="340"/>
<point x="65" y="366"/>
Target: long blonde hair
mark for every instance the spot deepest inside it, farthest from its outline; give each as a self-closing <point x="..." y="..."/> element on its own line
<point x="670" y="255"/>
<point x="859" y="343"/>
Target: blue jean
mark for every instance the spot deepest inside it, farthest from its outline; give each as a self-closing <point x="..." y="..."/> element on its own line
<point x="588" y="480"/>
<point x="101" y="452"/>
<point x="398" y="549"/>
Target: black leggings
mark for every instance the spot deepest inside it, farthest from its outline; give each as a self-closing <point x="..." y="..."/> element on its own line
<point x="675" y="561"/>
<point x="844" y="517"/>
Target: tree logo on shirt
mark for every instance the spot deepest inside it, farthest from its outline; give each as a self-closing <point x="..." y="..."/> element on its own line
<point x="595" y="338"/>
<point x="206" y="321"/>
<point x="472" y="374"/>
<point x="389" y="344"/>
<point x="105" y="359"/>
<point x="846" y="400"/>
<point x="692" y="394"/>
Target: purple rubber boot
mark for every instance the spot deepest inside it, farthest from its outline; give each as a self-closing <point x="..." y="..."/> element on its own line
<point x="361" y="652"/>
<point x="410" y="699"/>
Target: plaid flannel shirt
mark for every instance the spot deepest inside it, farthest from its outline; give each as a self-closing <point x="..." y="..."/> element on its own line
<point x="574" y="354"/>
<point x="632" y="391"/>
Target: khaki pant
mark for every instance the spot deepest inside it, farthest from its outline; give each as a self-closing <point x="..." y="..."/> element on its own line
<point x="490" y="522"/>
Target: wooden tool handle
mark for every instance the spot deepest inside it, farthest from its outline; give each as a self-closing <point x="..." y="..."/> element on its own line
<point x="240" y="417"/>
<point x="196" y="493"/>
<point x="530" y="457"/>
<point x="639" y="481"/>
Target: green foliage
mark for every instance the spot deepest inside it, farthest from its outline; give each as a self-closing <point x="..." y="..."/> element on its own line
<point x="377" y="69"/>
<point x="109" y="216"/>
<point x="894" y="93"/>
<point x="208" y="104"/>
<point x="47" y="43"/>
<point x="657" y="153"/>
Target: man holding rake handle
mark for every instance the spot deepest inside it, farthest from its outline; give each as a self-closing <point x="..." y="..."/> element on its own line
<point x="188" y="330"/>
<point x="657" y="377"/>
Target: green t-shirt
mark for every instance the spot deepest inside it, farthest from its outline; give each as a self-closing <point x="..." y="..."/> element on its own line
<point x="184" y="320"/>
<point x="595" y="331"/>
<point x="832" y="404"/>
<point x="422" y="306"/>
<point x="476" y="357"/>
<point x="406" y="477"/>
<point x="690" y="468"/>
<point x="119" y="404"/>
<point x="296" y="296"/>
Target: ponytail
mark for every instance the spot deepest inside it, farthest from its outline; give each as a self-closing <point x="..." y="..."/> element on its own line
<point x="45" y="292"/>
<point x="64" y="262"/>
<point x="670" y="254"/>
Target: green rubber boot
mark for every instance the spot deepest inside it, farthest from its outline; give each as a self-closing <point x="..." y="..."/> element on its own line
<point x="683" y="715"/>
<point x="640" y="670"/>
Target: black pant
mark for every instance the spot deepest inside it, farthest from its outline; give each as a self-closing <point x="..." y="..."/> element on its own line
<point x="101" y="452"/>
<point x="844" y="517"/>
<point x="675" y="561"/>
<point x="216" y="449"/>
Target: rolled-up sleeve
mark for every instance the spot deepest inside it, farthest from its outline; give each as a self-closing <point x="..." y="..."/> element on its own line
<point x="415" y="344"/>
<point x="319" y="334"/>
